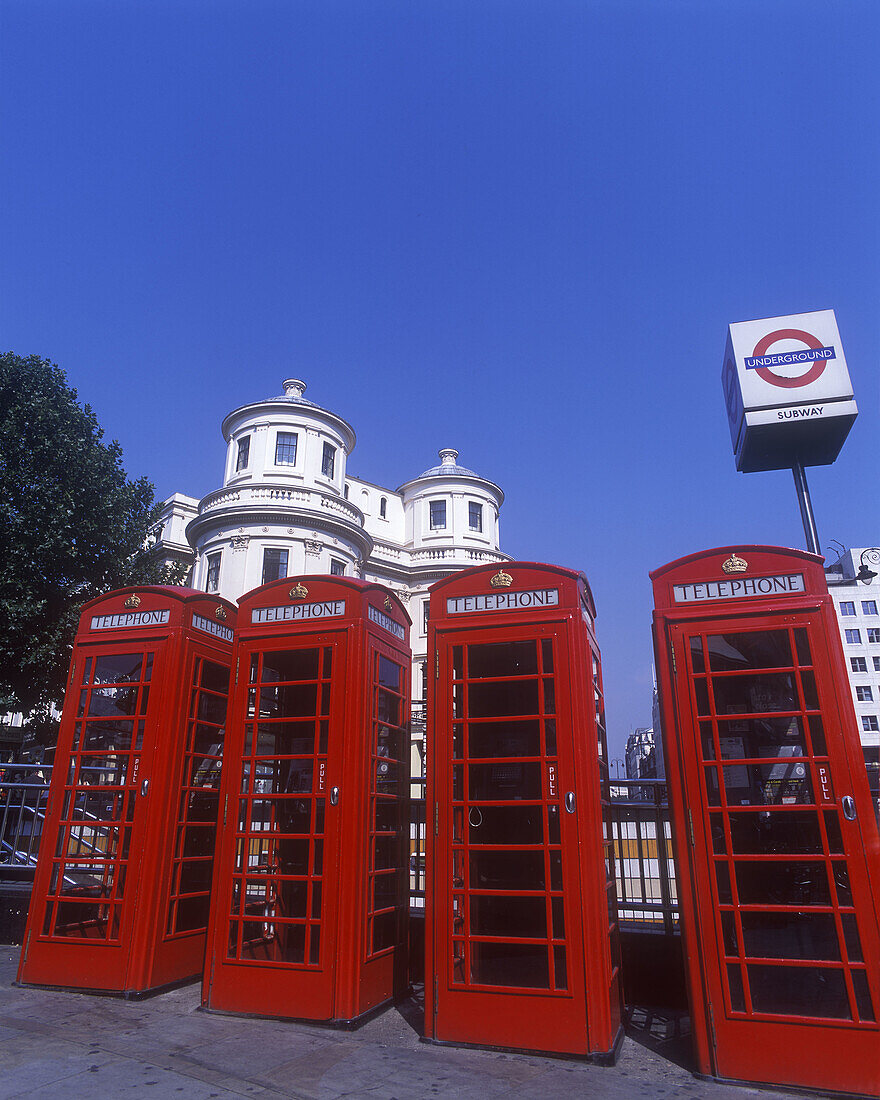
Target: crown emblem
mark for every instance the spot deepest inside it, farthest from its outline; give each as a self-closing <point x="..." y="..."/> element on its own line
<point x="299" y="591"/>
<point x="501" y="580"/>
<point x="133" y="600"/>
<point x="220" y="612"/>
<point x="735" y="565"/>
<point x="389" y="606"/>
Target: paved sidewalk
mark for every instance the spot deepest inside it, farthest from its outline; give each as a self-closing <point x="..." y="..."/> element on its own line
<point x="68" y="1046"/>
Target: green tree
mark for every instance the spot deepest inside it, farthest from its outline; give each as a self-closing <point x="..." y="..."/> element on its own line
<point x="72" y="526"/>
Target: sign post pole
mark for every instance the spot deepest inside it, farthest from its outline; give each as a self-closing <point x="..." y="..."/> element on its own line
<point x="806" y="505"/>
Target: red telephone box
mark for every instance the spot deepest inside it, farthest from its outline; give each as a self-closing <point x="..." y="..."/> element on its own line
<point x="522" y="944"/>
<point x="122" y="888"/>
<point x="310" y="918"/>
<point x="775" y="839"/>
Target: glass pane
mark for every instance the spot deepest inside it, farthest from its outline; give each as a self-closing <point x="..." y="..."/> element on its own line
<point x="510" y="964"/>
<point x="728" y="929"/>
<point x="505" y="825"/>
<point x="502" y="659"/>
<point x="215" y="677"/>
<point x="547" y="654"/>
<point x="811" y="696"/>
<point x="775" y="833"/>
<point x="284" y="739"/>
<point x="722" y="877"/>
<point x="293" y="701"/>
<point x="735" y="985"/>
<point x="751" y="737"/>
<point x="802" y="646"/>
<point x="768" y="784"/>
<point x="701" y="692"/>
<point x="817" y="735"/>
<point x="118" y="668"/>
<point x="698" y="662"/>
<point x="550" y="736"/>
<point x="488" y="700"/>
<point x="863" y="995"/>
<point x="716" y="824"/>
<point x="780" y="883"/>
<point x="505" y="781"/>
<point x="851" y="936"/>
<point x="295" y="664"/>
<point x="799" y="991"/>
<point x="513" y="870"/>
<point x="790" y="936"/>
<point x="841" y="881"/>
<point x="488" y="739"/>
<point x="707" y="740"/>
<point x="389" y="673"/>
<point x="519" y="917"/>
<point x="757" y="649"/>
<point x="757" y="694"/>
<point x="112" y="701"/>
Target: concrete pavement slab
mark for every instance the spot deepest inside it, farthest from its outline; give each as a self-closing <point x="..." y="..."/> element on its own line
<point x="67" y="1045"/>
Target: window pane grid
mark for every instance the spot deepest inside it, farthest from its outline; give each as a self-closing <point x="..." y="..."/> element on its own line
<point x="791" y="901"/>
<point x="387" y="893"/>
<point x="277" y="887"/>
<point x="90" y="867"/>
<point x="198" y="804"/>
<point x="506" y="925"/>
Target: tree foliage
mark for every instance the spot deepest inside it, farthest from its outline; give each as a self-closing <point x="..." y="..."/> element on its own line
<point x="72" y="526"/>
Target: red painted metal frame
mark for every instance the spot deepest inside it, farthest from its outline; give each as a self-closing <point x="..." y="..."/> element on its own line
<point x="261" y="963"/>
<point x="733" y="1038"/>
<point x="131" y="845"/>
<point x="577" y="1010"/>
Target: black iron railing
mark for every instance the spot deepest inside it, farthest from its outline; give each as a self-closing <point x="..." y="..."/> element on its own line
<point x="646" y="887"/>
<point x="24" y="789"/>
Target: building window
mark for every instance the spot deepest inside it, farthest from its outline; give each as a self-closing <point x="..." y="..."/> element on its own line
<point x="869" y="607"/>
<point x="274" y="565"/>
<point x="864" y="694"/>
<point x="383" y="507"/>
<point x="212" y="578"/>
<point x="869" y="723"/>
<point x="858" y="664"/>
<point x="475" y="516"/>
<point x="345" y="491"/>
<point x="328" y="462"/>
<point x="426" y="606"/>
<point x="438" y="515"/>
<point x="874" y="634"/>
<point x="877" y="664"/>
<point x="244" y="450"/>
<point x="285" y="449"/>
<point x="423" y="668"/>
<point x="337" y="568"/>
<point x="853" y="637"/>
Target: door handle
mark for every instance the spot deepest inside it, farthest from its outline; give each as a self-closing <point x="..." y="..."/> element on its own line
<point x="145" y="786"/>
<point x="848" y="805"/>
<point x="569" y="802"/>
<point x="334" y="795"/>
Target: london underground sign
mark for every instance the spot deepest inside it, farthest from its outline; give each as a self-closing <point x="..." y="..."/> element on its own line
<point x="814" y="355"/>
<point x="787" y="390"/>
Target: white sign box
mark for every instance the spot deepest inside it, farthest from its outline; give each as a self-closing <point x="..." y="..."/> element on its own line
<point x="787" y="390"/>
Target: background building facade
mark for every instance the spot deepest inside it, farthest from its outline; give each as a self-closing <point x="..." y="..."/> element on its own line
<point x="287" y="507"/>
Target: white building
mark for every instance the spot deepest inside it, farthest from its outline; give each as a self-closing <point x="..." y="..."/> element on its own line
<point x="288" y="506"/>
<point x="854" y="584"/>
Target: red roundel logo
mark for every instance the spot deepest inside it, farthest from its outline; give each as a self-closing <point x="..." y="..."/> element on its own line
<point x="767" y="342"/>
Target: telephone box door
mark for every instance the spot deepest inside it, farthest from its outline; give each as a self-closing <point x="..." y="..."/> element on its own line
<point x="507" y="915"/>
<point x="285" y="809"/>
<point x="97" y="816"/>
<point x="786" y="922"/>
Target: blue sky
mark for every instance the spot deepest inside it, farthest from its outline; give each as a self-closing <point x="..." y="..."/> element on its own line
<point x="515" y="227"/>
